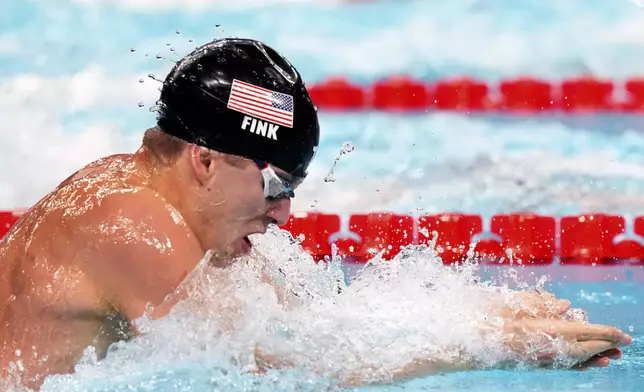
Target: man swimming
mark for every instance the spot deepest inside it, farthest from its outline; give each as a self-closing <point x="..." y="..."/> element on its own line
<point x="236" y="133"/>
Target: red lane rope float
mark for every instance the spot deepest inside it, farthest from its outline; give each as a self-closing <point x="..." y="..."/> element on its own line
<point x="521" y="95"/>
<point x="7" y="220"/>
<point x="532" y="239"/>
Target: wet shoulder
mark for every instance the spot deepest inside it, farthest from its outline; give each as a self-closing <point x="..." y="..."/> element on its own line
<point x="128" y="212"/>
<point x="129" y="206"/>
<point x="109" y="198"/>
<point x="108" y="171"/>
<point x="59" y="213"/>
<point x="89" y="190"/>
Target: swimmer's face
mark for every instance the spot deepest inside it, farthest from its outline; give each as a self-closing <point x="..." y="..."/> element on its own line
<point x="232" y="198"/>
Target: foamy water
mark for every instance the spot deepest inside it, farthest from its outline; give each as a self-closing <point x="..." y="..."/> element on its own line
<point x="325" y="331"/>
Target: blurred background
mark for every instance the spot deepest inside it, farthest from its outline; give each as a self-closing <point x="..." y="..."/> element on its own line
<point x="78" y="80"/>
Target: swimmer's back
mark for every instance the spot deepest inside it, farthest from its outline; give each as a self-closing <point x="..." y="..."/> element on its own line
<point x="46" y="297"/>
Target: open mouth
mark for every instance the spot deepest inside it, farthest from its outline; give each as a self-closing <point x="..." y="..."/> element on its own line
<point x="247" y="245"/>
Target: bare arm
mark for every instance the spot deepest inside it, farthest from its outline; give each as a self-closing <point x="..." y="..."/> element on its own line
<point x="365" y="376"/>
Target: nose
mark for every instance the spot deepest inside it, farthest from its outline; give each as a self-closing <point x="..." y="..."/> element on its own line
<point x="280" y="210"/>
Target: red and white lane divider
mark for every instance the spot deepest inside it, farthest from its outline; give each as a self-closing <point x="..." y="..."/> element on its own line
<point x="530" y="238"/>
<point x="520" y="95"/>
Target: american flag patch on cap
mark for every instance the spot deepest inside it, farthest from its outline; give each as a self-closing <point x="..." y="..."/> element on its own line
<point x="261" y="103"/>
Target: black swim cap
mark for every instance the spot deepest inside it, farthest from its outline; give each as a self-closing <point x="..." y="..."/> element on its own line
<point x="241" y="97"/>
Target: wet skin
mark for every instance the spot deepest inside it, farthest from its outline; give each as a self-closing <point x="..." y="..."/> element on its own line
<point x="86" y="259"/>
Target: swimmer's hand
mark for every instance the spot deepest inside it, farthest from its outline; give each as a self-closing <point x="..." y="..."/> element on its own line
<point x="584" y="345"/>
<point x="532" y="305"/>
<point x="545" y="305"/>
<point x="265" y="361"/>
<point x="532" y="340"/>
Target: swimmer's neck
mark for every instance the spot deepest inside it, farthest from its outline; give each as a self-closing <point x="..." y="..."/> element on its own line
<point x="173" y="182"/>
<point x="166" y="179"/>
<point x="158" y="175"/>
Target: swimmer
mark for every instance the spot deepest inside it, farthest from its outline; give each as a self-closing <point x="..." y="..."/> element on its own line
<point x="235" y="134"/>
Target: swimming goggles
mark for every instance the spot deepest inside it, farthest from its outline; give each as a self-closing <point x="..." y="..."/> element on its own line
<point x="277" y="186"/>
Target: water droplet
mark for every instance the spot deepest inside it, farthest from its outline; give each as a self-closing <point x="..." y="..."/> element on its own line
<point x="167" y="44"/>
<point x="141" y="80"/>
<point x="178" y="32"/>
<point x="330" y="177"/>
<point x="141" y="104"/>
<point x="172" y="49"/>
<point x="132" y="50"/>
<point x="346" y="148"/>
<point x="199" y="67"/>
<point x="631" y="328"/>
<point x="159" y="57"/>
<point x="191" y="40"/>
<point x="217" y="25"/>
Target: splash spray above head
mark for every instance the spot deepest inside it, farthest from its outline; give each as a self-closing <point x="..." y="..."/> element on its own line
<point x="240" y="97"/>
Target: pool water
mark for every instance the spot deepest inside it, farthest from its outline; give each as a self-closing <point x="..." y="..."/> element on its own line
<point x="77" y="80"/>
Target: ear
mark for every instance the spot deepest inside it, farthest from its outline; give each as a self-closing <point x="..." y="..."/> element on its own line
<point x="202" y="161"/>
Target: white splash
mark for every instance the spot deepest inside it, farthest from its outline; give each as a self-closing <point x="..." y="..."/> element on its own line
<point x="322" y="329"/>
